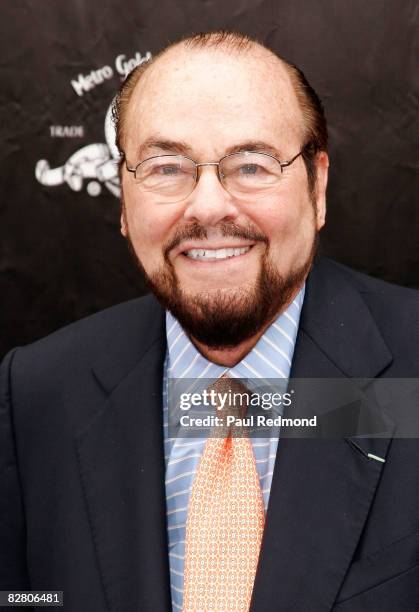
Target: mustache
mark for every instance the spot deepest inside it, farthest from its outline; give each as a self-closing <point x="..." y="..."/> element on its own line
<point x="199" y="232"/>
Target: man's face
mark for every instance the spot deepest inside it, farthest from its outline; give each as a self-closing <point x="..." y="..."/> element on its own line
<point x="204" y="104"/>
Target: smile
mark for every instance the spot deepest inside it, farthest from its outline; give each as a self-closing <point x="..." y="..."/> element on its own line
<point x="216" y="254"/>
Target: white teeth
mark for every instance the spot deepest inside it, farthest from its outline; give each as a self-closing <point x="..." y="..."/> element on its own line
<point x="215" y="253"/>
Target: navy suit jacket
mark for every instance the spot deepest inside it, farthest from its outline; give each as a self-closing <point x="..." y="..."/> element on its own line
<point x="82" y="498"/>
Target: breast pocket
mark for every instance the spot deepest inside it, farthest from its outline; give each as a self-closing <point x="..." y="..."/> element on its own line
<point x="385" y="581"/>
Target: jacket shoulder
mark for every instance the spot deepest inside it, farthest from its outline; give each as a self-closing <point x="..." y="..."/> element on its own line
<point x="391" y="300"/>
<point x="370" y="284"/>
<point x="124" y="329"/>
<point x="394" y="309"/>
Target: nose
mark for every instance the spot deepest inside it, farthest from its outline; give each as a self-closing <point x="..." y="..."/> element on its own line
<point x="210" y="203"/>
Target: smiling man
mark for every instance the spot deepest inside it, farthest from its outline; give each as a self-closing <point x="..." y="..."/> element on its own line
<point x="223" y="170"/>
<point x="217" y="202"/>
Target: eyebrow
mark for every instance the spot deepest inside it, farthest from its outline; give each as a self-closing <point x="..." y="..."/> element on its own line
<point x="182" y="148"/>
<point x="254" y="145"/>
<point x="169" y="146"/>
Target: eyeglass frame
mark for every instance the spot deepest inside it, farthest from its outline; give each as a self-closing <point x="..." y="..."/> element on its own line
<point x="282" y="164"/>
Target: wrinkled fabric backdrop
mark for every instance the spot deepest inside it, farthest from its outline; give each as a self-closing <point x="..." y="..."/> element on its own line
<point x="61" y="254"/>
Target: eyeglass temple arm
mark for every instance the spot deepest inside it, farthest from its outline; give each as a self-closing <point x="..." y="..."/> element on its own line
<point x="128" y="168"/>
<point x="288" y="163"/>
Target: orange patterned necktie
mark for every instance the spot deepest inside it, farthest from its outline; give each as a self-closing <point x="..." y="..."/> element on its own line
<point x="225" y="524"/>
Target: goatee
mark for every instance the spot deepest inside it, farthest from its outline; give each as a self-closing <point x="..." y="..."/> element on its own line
<point x="225" y="318"/>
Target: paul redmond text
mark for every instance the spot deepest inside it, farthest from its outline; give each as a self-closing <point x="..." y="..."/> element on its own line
<point x="250" y="421"/>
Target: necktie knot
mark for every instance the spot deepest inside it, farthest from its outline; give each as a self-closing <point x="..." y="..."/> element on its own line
<point x="232" y="399"/>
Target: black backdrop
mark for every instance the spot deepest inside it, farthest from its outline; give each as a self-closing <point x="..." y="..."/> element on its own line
<point x="61" y="254"/>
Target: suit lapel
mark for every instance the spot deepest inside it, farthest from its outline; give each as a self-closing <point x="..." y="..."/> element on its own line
<point x="322" y="488"/>
<point x="122" y="468"/>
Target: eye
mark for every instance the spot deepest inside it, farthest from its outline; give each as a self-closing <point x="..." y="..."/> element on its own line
<point x="250" y="169"/>
<point x="167" y="170"/>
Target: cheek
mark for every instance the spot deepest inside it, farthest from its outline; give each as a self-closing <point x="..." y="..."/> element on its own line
<point x="288" y="222"/>
<point x="149" y="226"/>
<point x="281" y="218"/>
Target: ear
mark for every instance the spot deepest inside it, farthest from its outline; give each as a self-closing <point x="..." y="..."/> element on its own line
<point x="123" y="218"/>
<point x="124" y="225"/>
<point x="322" y="170"/>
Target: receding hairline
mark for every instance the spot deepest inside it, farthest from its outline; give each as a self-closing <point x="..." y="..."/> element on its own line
<point x="228" y="42"/>
<point x="225" y="43"/>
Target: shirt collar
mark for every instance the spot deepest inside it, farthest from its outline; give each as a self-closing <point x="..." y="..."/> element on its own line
<point x="271" y="357"/>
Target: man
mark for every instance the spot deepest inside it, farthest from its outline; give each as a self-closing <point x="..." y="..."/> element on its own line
<point x="224" y="171"/>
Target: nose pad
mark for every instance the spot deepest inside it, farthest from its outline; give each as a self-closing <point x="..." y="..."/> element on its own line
<point x="210" y="202"/>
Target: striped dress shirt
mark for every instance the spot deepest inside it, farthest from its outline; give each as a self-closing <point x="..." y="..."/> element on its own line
<point x="270" y="359"/>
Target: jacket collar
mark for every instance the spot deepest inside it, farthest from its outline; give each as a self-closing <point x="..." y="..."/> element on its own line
<point x="337" y="324"/>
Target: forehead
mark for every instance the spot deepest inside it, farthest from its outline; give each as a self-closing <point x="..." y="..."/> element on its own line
<point x="211" y="99"/>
